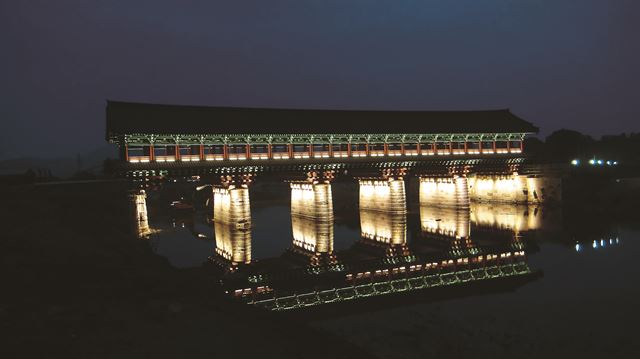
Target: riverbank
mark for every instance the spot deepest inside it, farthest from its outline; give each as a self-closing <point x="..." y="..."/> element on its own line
<point x="78" y="284"/>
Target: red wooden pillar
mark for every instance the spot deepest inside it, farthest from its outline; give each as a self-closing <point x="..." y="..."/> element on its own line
<point x="310" y="150"/>
<point x="450" y="147"/>
<point x="509" y="145"/>
<point x="494" y="146"/>
<point x="330" y="149"/>
<point x="290" y="150"/>
<point x="225" y="151"/>
<point x="152" y="156"/>
<point x="521" y="145"/>
<point x="418" y="147"/>
<point x="386" y="149"/>
<point x="465" y="146"/>
<point x="177" y="156"/>
<point x="201" y="152"/>
<point x="480" y="146"/>
<point x="348" y="150"/>
<point x="434" y="148"/>
<point x="248" y="151"/>
<point x="269" y="151"/>
<point x="366" y="149"/>
<point x="126" y="152"/>
<point x="402" y="148"/>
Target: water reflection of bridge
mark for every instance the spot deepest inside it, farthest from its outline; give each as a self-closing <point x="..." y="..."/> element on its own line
<point x="458" y="242"/>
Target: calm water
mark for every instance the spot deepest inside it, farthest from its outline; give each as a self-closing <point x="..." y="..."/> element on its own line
<point x="585" y="301"/>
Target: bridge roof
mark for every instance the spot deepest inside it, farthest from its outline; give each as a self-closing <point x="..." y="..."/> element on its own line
<point x="129" y="117"/>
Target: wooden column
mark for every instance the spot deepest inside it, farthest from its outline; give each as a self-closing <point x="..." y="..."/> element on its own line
<point x="311" y="150"/>
<point x="494" y="146"/>
<point x="330" y="149"/>
<point x="465" y="146"/>
<point x="348" y="149"/>
<point x="152" y="155"/>
<point x="248" y="151"/>
<point x="386" y="149"/>
<point x="269" y="151"/>
<point x="126" y="152"/>
<point x="201" y="152"/>
<point x="290" y="150"/>
<point x="521" y="145"/>
<point x="508" y="145"/>
<point x="450" y="147"/>
<point x="366" y="149"/>
<point x="225" y="151"/>
<point x="480" y="146"/>
<point x="177" y="156"/>
<point x="418" y="147"/>
<point x="434" y="148"/>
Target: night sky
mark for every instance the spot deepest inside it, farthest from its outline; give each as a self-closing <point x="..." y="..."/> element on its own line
<point x="562" y="63"/>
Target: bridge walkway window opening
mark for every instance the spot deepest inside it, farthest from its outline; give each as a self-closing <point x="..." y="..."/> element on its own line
<point x="189" y="153"/>
<point x="458" y="148"/>
<point x="394" y="149"/>
<point x="502" y="146"/>
<point x="164" y="153"/>
<point x="488" y="147"/>
<point x="320" y="150"/>
<point x="427" y="149"/>
<point x="259" y="151"/>
<point x="138" y="153"/>
<point x="376" y="149"/>
<point x="411" y="149"/>
<point x="214" y="152"/>
<point x="515" y="146"/>
<point x="340" y="149"/>
<point x="301" y="151"/>
<point x="358" y="150"/>
<point x="237" y="151"/>
<point x="279" y="151"/>
<point x="473" y="147"/>
<point x="442" y="148"/>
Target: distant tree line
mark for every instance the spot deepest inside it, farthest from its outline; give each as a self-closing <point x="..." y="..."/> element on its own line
<point x="566" y="145"/>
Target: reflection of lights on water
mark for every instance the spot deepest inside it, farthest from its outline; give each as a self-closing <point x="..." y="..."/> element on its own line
<point x="602" y="243"/>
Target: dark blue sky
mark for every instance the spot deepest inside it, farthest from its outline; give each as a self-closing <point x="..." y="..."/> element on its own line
<point x="561" y="63"/>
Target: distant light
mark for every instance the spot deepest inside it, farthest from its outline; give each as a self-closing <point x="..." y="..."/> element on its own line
<point x="578" y="248"/>
<point x="591" y="162"/>
<point x="595" y="244"/>
<point x="602" y="243"/>
<point x="608" y="163"/>
<point x="599" y="162"/>
<point x="575" y="162"/>
<point x="615" y="163"/>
